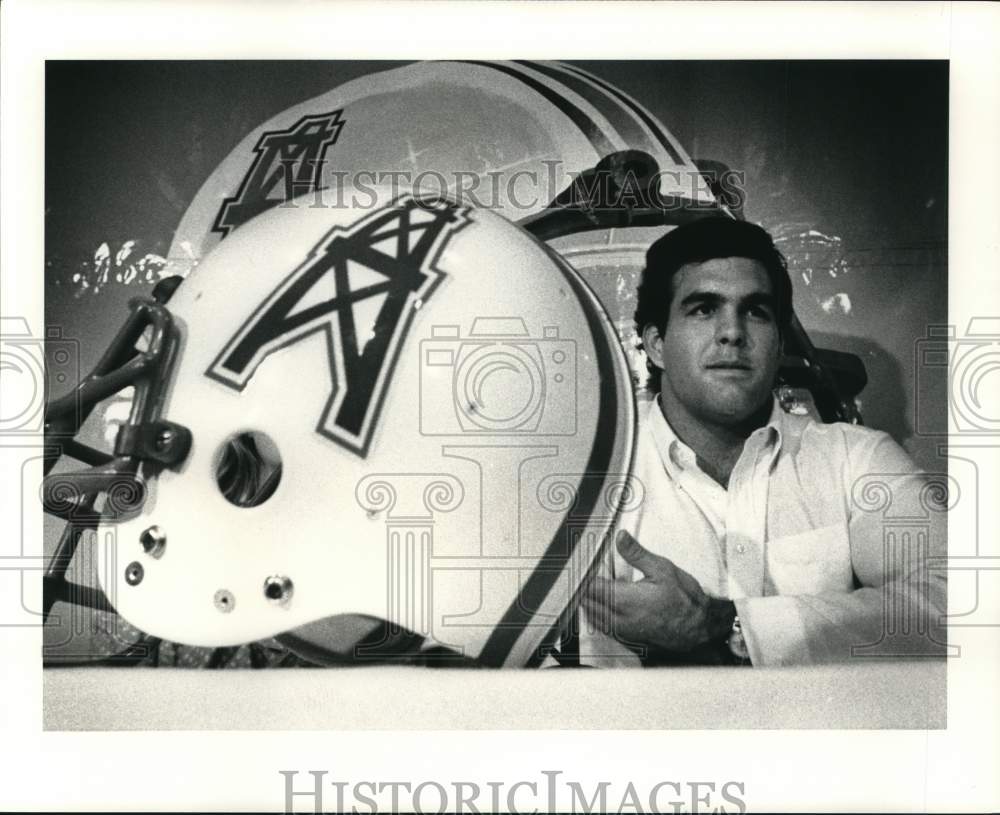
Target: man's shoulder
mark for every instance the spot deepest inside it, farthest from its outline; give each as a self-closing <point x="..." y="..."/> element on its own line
<point x="853" y="435"/>
<point x="860" y="446"/>
<point x="796" y="429"/>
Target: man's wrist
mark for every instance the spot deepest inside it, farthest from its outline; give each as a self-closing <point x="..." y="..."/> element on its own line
<point x="725" y="633"/>
<point x="719" y="617"/>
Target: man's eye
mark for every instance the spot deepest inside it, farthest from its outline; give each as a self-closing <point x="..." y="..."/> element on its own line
<point x="701" y="309"/>
<point x="761" y="313"/>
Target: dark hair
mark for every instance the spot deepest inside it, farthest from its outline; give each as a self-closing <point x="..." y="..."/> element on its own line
<point x="705" y="239"/>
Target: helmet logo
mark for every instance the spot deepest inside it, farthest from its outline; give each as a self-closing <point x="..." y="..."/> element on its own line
<point x="360" y="286"/>
<point x="288" y="163"/>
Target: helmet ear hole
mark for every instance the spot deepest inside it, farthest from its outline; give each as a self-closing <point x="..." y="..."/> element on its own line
<point x="248" y="468"/>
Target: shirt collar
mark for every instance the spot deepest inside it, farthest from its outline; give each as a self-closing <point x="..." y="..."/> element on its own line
<point x="677" y="456"/>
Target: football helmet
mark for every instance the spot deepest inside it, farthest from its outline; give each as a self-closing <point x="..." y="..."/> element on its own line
<point x="375" y="397"/>
<point x="504" y="136"/>
<point x="414" y="412"/>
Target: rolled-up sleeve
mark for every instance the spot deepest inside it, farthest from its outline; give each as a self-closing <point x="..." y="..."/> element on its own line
<point x="896" y="518"/>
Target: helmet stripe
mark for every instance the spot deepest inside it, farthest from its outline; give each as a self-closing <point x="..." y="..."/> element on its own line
<point x="560" y="553"/>
<point x="598" y="139"/>
<point x="639" y="111"/>
<point x="622" y="119"/>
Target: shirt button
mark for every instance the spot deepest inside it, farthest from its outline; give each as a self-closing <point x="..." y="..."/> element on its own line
<point x="740" y="548"/>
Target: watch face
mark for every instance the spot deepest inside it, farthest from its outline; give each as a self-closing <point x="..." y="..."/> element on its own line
<point x="738" y="646"/>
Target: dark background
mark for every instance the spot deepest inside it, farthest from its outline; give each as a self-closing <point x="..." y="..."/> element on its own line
<point x="845" y="162"/>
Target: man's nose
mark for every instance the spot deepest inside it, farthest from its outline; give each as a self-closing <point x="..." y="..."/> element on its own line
<point x="730" y="329"/>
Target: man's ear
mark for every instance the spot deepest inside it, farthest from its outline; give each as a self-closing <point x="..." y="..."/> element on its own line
<point x="652" y="344"/>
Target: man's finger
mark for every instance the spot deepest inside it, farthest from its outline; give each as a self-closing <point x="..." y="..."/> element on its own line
<point x="611" y="608"/>
<point x="601" y="594"/>
<point x="620" y="597"/>
<point x="599" y="603"/>
<point x="642" y="559"/>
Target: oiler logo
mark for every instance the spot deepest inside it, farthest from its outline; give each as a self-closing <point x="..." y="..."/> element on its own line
<point x="288" y="163"/>
<point x="386" y="263"/>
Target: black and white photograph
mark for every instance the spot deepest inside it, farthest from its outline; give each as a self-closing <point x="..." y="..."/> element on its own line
<point x="564" y="411"/>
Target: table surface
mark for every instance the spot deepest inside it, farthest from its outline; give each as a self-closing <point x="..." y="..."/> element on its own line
<point x="868" y="695"/>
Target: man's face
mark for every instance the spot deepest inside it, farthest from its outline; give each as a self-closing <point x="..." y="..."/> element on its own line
<point x="720" y="350"/>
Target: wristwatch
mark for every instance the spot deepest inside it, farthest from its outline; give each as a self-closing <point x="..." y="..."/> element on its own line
<point x="737" y="645"/>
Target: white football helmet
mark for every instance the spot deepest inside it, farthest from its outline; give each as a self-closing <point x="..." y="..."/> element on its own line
<point x="415" y="412"/>
<point x="448" y="402"/>
<point x="505" y="136"/>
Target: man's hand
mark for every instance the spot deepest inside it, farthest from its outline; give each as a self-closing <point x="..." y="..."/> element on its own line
<point x="666" y="611"/>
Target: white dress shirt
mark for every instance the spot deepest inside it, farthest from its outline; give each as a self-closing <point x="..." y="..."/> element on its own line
<point x="822" y="539"/>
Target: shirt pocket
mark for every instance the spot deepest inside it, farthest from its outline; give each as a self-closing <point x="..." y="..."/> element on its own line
<point x="811" y="562"/>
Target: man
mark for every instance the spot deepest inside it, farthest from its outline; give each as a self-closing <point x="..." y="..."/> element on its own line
<point x="750" y="543"/>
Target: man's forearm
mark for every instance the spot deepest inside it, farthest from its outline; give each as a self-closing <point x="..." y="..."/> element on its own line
<point x="834" y="627"/>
